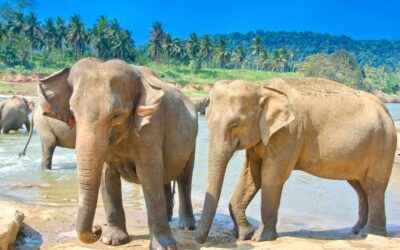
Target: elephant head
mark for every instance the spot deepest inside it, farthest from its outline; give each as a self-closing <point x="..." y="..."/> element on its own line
<point x="30" y="105"/>
<point x="241" y="115"/>
<point x="106" y="101"/>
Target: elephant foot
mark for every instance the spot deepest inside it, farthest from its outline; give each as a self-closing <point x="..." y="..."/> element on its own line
<point x="243" y="232"/>
<point x="163" y="242"/>
<point x="376" y="231"/>
<point x="357" y="228"/>
<point x="114" y="236"/>
<point x="264" y="234"/>
<point x="187" y="223"/>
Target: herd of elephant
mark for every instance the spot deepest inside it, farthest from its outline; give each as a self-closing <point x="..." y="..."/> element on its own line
<point x="126" y="122"/>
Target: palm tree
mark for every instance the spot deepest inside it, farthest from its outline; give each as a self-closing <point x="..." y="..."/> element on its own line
<point x="76" y="35"/>
<point x="100" y="37"/>
<point x="222" y="53"/>
<point x="32" y="30"/>
<point x="61" y="33"/>
<point x="206" y="49"/>
<point x="264" y="59"/>
<point x="16" y="25"/>
<point x="167" y="46"/>
<point x="239" y="56"/>
<point x="155" y="45"/>
<point x="177" y="49"/>
<point x="3" y="33"/>
<point x="193" y="47"/>
<point x="49" y="34"/>
<point x="256" y="49"/>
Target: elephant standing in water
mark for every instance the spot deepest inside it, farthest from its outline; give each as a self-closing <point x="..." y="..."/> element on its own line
<point x="132" y="125"/>
<point x="14" y="113"/>
<point x="52" y="133"/>
<point x="201" y="105"/>
<point x="310" y="124"/>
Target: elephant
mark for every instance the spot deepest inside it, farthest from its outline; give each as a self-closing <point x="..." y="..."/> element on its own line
<point x="52" y="133"/>
<point x="201" y="105"/>
<point x="14" y="113"/>
<point x="311" y="124"/>
<point x="129" y="124"/>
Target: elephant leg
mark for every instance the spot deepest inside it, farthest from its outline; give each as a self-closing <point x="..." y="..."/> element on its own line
<point x="376" y="222"/>
<point x="362" y="206"/>
<point x="150" y="172"/>
<point x="47" y="154"/>
<point x="169" y="198"/>
<point x="115" y="233"/>
<point x="186" y="217"/>
<point x="279" y="160"/>
<point x="247" y="187"/>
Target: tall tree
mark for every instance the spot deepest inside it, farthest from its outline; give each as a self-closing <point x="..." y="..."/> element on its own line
<point x="222" y="53"/>
<point x="155" y="45"/>
<point x="76" y="35"/>
<point x="256" y="49"/>
<point x="167" y="46"/>
<point x="61" y="33"/>
<point x="31" y="28"/>
<point x="100" y="38"/>
<point x="193" y="47"/>
<point x="239" y="56"/>
<point x="206" y="49"/>
<point x="49" y="34"/>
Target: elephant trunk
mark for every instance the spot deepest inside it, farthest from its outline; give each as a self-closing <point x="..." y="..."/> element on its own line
<point x="217" y="162"/>
<point x="91" y="148"/>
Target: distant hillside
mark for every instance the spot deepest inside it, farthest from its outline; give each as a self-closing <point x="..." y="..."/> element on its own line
<point x="378" y="52"/>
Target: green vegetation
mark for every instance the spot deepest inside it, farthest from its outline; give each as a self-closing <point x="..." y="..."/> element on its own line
<point x="28" y="44"/>
<point x="183" y="75"/>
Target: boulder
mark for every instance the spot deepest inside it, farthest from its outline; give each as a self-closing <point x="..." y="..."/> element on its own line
<point x="10" y="223"/>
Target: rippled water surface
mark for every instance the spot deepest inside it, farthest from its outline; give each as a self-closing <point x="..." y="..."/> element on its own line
<point x="307" y="202"/>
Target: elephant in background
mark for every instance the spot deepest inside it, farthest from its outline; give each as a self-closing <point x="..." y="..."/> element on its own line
<point x="315" y="125"/>
<point x="53" y="133"/>
<point x="201" y="105"/>
<point x="129" y="124"/>
<point x="14" y="113"/>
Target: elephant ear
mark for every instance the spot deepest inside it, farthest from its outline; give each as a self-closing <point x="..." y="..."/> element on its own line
<point x="56" y="92"/>
<point x="1" y="110"/>
<point x="150" y="98"/>
<point x="30" y="105"/>
<point x="276" y="112"/>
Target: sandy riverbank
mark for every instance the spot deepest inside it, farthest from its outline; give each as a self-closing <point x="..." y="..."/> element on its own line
<point x="52" y="227"/>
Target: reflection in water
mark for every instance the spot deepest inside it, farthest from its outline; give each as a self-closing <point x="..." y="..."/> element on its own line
<point x="307" y="201"/>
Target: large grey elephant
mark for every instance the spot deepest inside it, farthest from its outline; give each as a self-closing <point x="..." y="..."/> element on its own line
<point x="14" y="113"/>
<point x="310" y="124"/>
<point x="126" y="126"/>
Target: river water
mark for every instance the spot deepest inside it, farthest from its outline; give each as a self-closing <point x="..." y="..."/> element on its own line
<point x="307" y="202"/>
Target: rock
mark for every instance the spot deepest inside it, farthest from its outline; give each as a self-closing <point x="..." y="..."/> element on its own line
<point x="191" y="86"/>
<point x="10" y="223"/>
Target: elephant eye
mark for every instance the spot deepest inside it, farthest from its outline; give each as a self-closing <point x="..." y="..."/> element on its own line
<point x="116" y="116"/>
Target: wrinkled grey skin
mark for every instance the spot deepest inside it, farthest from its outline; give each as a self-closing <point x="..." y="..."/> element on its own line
<point x="310" y="124"/>
<point x="132" y="125"/>
<point x="55" y="133"/>
<point x="14" y="113"/>
<point x="201" y="105"/>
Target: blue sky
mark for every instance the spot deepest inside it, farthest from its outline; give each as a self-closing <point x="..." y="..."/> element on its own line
<point x="358" y="19"/>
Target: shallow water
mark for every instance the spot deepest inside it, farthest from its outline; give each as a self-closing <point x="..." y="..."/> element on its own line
<point x="307" y="202"/>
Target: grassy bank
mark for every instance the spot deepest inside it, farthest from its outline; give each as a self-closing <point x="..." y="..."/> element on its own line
<point x="181" y="75"/>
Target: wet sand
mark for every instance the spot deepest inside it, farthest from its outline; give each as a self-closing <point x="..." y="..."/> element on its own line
<point x="52" y="227"/>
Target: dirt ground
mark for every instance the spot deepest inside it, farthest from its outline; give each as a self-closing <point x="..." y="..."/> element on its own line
<point x="52" y="227"/>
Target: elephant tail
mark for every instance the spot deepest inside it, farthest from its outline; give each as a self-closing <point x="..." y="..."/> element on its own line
<point x="23" y="152"/>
